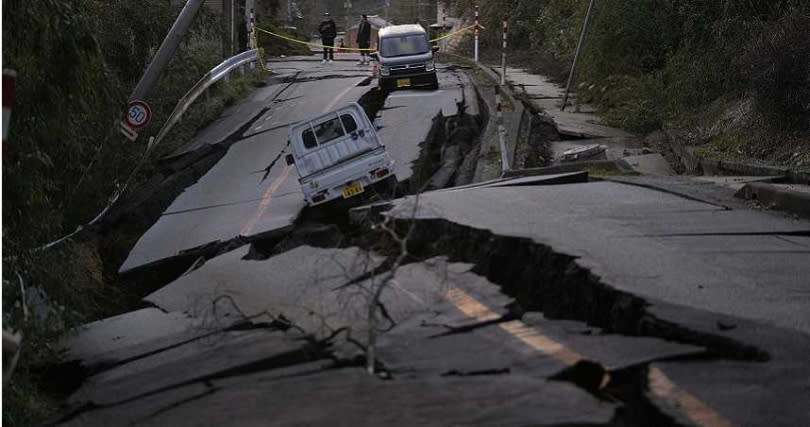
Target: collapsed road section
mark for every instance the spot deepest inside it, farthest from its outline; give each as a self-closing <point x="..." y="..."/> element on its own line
<point x="530" y="301"/>
<point x="240" y="199"/>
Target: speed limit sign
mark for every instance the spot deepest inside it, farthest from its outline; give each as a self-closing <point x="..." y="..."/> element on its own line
<point x="138" y="114"/>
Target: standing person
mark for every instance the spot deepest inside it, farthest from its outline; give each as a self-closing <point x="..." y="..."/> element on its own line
<point x="364" y="39"/>
<point x="328" y="31"/>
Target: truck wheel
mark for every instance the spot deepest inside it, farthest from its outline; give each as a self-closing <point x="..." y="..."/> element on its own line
<point x="387" y="188"/>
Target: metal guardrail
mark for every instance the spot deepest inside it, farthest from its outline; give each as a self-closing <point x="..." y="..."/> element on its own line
<point x="213" y="76"/>
<point x="216" y="74"/>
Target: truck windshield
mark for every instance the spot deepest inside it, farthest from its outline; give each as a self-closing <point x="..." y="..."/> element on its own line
<point x="414" y="44"/>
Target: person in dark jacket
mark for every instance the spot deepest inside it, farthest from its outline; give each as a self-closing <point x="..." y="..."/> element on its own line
<point x="364" y="39"/>
<point x="328" y="31"/>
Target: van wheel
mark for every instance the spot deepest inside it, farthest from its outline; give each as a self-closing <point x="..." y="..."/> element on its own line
<point x="386" y="85"/>
<point x="435" y="83"/>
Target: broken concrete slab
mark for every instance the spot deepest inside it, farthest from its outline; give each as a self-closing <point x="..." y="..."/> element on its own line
<point x="408" y="115"/>
<point x="765" y="383"/>
<point x="116" y="338"/>
<point x="612" y="351"/>
<point x="357" y="399"/>
<point x="686" y="187"/>
<point x="740" y="393"/>
<point x="434" y="282"/>
<point x="580" y="125"/>
<point x="232" y="119"/>
<point x="793" y="198"/>
<point x="547" y="96"/>
<point x="615" y="231"/>
<point x="299" y="284"/>
<point x="584" y="152"/>
<point x="615" y="148"/>
<point x="516" y="179"/>
<point x="601" y="165"/>
<point x="650" y="164"/>
<point x="737" y="182"/>
<point x="232" y="199"/>
<point x="222" y="355"/>
<point x="555" y="179"/>
<point x="534" y="85"/>
<point x="437" y="342"/>
<point x="440" y="344"/>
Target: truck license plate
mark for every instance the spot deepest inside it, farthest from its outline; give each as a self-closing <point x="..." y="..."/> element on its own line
<point x="352" y="190"/>
<point x="403" y="82"/>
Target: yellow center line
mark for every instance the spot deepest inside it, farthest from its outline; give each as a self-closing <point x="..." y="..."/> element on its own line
<point x="527" y="334"/>
<point x="268" y="195"/>
<point x="266" y="199"/>
<point x="337" y="98"/>
<point x="697" y="411"/>
<point x="660" y="384"/>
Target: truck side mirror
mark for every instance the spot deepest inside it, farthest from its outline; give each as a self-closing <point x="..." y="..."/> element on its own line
<point x="289" y="159"/>
<point x="378" y="124"/>
<point x="374" y="56"/>
<point x="435" y="49"/>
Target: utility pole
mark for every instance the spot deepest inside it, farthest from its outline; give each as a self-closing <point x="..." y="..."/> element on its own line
<point x="249" y="22"/>
<point x="348" y="6"/>
<point x="444" y="28"/>
<point x="503" y="50"/>
<point x="233" y="27"/>
<point x="475" y="54"/>
<point x="576" y="54"/>
<point x="166" y="50"/>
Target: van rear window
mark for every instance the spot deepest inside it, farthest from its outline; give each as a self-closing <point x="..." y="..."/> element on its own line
<point x="328" y="131"/>
<point x="415" y="44"/>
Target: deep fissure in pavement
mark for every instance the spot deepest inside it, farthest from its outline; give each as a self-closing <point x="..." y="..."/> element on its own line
<point x="542" y="280"/>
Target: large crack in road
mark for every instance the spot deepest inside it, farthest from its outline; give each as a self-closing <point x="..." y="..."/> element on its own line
<point x="542" y="280"/>
<point x="537" y="279"/>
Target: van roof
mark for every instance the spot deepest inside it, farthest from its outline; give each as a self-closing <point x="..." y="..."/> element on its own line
<point x="401" y="30"/>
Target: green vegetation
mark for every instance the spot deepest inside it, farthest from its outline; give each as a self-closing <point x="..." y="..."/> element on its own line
<point x="76" y="62"/>
<point x="685" y="64"/>
<point x="274" y="46"/>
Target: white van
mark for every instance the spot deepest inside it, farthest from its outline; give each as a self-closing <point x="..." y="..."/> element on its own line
<point x="406" y="58"/>
<point x="339" y="155"/>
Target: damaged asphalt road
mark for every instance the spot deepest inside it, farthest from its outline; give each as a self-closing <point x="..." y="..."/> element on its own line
<point x="532" y="301"/>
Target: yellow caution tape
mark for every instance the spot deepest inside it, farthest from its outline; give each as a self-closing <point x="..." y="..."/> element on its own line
<point x="456" y="32"/>
<point x="315" y="44"/>
<point x="355" y="49"/>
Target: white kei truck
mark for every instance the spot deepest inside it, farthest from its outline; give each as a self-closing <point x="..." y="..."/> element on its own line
<point x="338" y="155"/>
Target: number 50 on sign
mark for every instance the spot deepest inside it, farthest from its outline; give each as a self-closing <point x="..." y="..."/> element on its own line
<point x="138" y="114"/>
